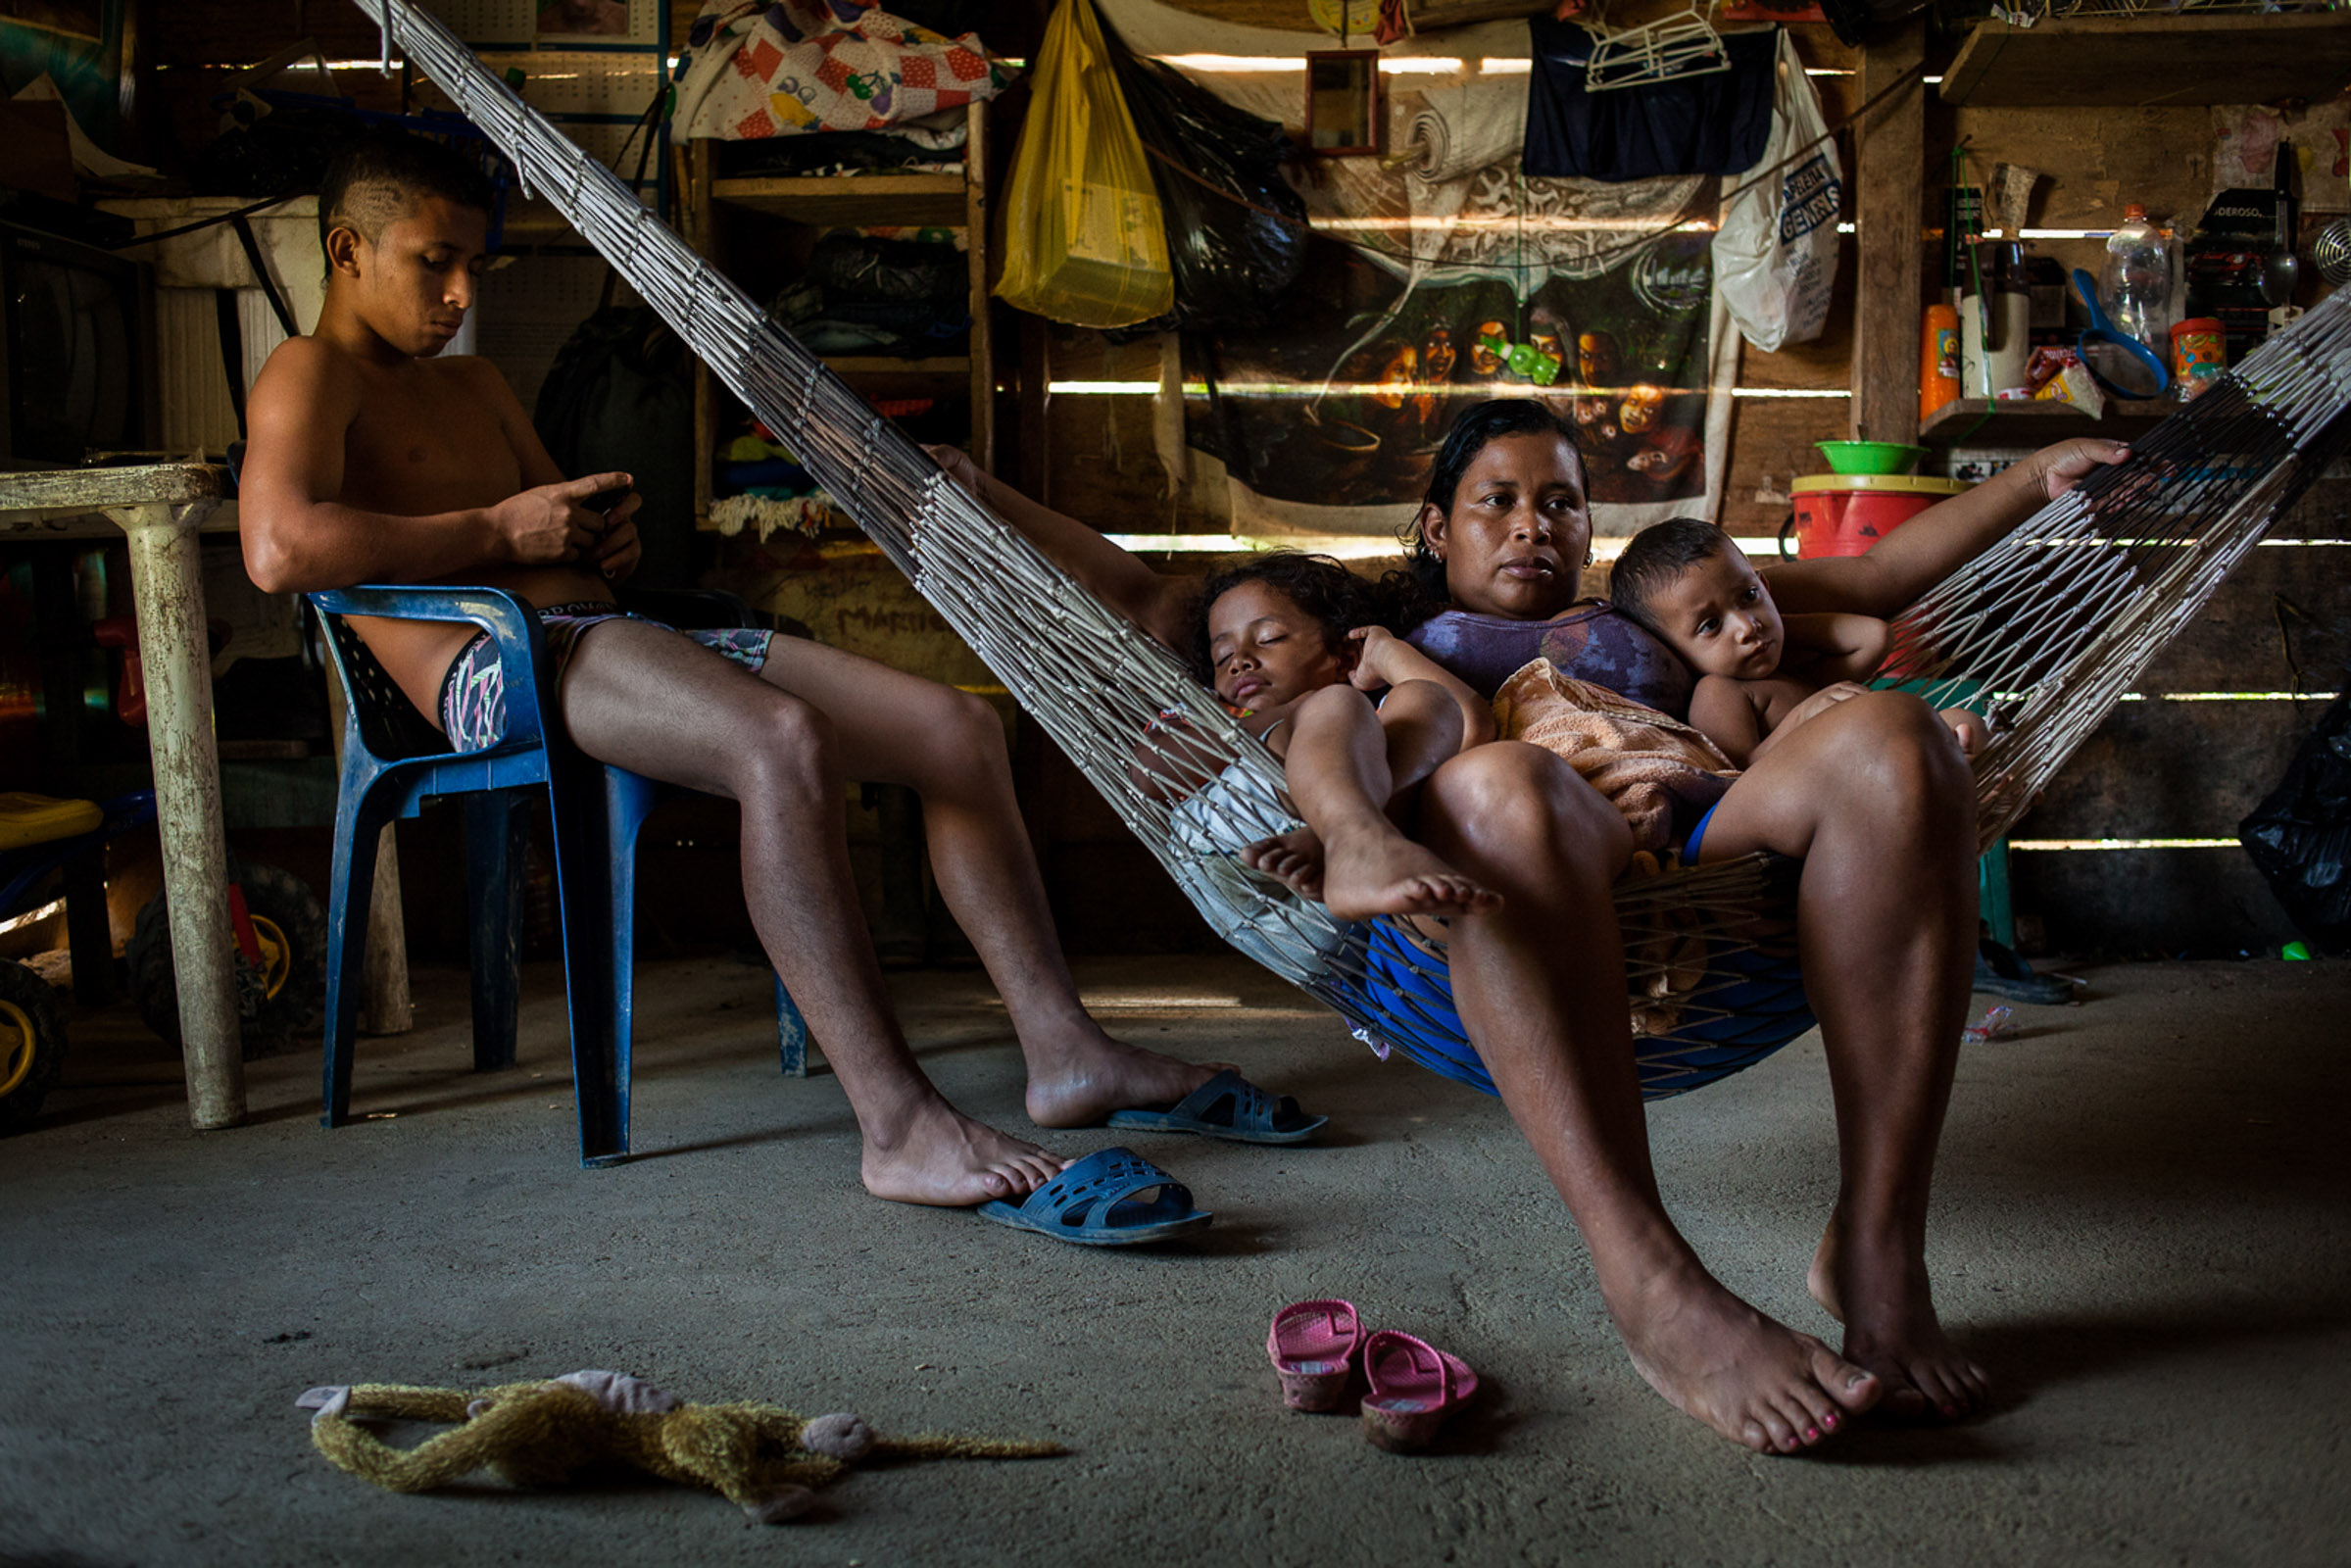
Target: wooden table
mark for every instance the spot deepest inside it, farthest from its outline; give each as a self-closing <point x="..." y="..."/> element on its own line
<point x="160" y="508"/>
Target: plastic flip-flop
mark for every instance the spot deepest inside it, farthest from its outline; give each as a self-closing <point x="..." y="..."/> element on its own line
<point x="1227" y="1105"/>
<point x="2002" y="973"/>
<point x="1414" y="1386"/>
<point x="1093" y="1204"/>
<point x="1313" y="1346"/>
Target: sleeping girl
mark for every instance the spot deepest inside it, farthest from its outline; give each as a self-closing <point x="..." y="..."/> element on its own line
<point x="1290" y="643"/>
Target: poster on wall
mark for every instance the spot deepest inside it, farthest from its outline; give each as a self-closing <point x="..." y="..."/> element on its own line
<point x="1331" y="422"/>
<point x="2245" y="143"/>
<point x="1439" y="275"/>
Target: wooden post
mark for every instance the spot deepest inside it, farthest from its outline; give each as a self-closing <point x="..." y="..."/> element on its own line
<point x="977" y="222"/>
<point x="698" y="165"/>
<point x="1889" y="215"/>
<point x="386" y="1006"/>
<point x="1036" y="406"/>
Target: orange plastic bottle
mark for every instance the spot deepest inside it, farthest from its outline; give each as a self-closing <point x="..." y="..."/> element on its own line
<point x="1938" y="360"/>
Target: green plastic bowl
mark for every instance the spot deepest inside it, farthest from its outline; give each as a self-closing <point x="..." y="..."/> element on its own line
<point x="1869" y="457"/>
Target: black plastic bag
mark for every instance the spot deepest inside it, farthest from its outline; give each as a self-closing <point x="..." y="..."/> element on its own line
<point x="859" y="267"/>
<point x="278" y="153"/>
<point x="621" y="396"/>
<point x="2300" y="837"/>
<point x="1233" y="258"/>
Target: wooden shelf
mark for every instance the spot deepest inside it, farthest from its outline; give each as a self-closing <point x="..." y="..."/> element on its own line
<point x="912" y="201"/>
<point x="943" y="200"/>
<point x="947" y="376"/>
<point x="2133" y="62"/>
<point x="1982" y="421"/>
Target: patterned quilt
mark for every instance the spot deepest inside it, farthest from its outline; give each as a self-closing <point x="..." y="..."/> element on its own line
<point x="755" y="69"/>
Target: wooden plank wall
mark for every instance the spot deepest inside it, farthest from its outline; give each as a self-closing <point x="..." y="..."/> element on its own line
<point x="188" y="50"/>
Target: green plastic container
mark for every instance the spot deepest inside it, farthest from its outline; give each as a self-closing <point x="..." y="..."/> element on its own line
<point x="1869" y="457"/>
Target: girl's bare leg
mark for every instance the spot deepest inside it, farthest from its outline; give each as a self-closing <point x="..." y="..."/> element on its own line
<point x="1345" y="764"/>
<point x="648" y="700"/>
<point x="1541" y="985"/>
<point x="1876" y="797"/>
<point x="949" y="745"/>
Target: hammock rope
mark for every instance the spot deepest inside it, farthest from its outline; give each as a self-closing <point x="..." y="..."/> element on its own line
<point x="2041" y="633"/>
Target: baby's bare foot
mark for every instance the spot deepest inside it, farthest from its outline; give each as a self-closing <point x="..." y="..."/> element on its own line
<point x="1883" y="1296"/>
<point x="1079" y="1085"/>
<point x="1293" y="858"/>
<point x="1718" y="1360"/>
<point x="1384" y="873"/>
<point x="942" y="1156"/>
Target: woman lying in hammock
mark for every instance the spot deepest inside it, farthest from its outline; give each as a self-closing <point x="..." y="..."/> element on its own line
<point x="1872" y="797"/>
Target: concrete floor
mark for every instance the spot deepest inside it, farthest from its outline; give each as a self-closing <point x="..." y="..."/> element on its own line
<point x="2141" y="1230"/>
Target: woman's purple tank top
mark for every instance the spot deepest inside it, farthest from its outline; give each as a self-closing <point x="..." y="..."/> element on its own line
<point x="1591" y="642"/>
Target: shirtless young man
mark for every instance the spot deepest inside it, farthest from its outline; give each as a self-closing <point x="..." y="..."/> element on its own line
<point x="370" y="461"/>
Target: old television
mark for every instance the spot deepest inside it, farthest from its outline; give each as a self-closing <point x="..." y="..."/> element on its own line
<point x="73" y="347"/>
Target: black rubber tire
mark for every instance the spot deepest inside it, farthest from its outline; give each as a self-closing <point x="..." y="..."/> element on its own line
<point x="269" y="1024"/>
<point x="27" y="992"/>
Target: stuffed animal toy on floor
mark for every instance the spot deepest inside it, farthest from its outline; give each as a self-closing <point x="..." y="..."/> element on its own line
<point x="765" y="1459"/>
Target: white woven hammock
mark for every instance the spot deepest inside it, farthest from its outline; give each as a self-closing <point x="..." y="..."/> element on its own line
<point x="2041" y="633"/>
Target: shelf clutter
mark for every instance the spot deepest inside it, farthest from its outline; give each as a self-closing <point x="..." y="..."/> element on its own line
<point x="897" y="201"/>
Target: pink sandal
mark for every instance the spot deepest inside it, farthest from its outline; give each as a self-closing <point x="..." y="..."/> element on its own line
<point x="1313" y="1347"/>
<point x="1414" y="1386"/>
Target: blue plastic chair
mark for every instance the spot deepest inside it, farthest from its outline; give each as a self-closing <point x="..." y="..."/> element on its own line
<point x="394" y="761"/>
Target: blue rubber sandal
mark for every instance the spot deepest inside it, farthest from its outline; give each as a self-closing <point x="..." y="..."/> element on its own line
<point x="1093" y="1204"/>
<point x="1227" y="1105"/>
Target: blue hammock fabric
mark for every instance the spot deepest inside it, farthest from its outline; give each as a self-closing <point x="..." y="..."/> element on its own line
<point x="1757" y="1007"/>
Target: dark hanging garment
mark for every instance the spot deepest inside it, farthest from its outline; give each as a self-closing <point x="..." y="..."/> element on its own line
<point x="621" y="396"/>
<point x="1711" y="124"/>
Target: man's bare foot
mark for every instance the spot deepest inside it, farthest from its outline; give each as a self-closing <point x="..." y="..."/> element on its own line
<point x="1293" y="858"/>
<point x="1384" y="873"/>
<point x="1883" y="1296"/>
<point x="1079" y="1080"/>
<point x="1718" y="1360"/>
<point x="942" y="1156"/>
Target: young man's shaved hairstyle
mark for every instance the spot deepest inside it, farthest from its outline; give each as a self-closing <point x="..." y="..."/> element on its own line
<point x="1656" y="556"/>
<point x="378" y="180"/>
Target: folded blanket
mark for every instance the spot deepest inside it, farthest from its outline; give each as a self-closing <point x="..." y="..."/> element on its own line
<point x="753" y="70"/>
<point x="1658" y="771"/>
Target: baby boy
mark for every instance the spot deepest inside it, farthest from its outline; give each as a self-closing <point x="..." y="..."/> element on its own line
<point x="1760" y="673"/>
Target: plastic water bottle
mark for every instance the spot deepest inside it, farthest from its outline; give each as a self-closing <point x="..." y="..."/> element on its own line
<point x="2136" y="283"/>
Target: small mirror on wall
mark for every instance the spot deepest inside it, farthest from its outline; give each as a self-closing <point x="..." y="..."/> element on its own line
<point x="1342" y="102"/>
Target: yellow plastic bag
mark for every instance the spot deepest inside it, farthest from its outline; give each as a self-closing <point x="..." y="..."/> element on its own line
<point x="1083" y="237"/>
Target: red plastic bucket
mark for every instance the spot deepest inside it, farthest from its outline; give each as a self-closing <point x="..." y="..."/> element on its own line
<point x="1845" y="513"/>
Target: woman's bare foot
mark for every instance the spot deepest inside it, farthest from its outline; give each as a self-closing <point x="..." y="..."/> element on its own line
<point x="1381" y="871"/>
<point x="940" y="1155"/>
<point x="1078" y="1080"/>
<point x="1883" y="1296"/>
<point x="1719" y="1361"/>
<point x="1293" y="858"/>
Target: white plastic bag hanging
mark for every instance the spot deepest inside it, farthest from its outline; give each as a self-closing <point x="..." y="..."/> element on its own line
<point x="1775" y="254"/>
